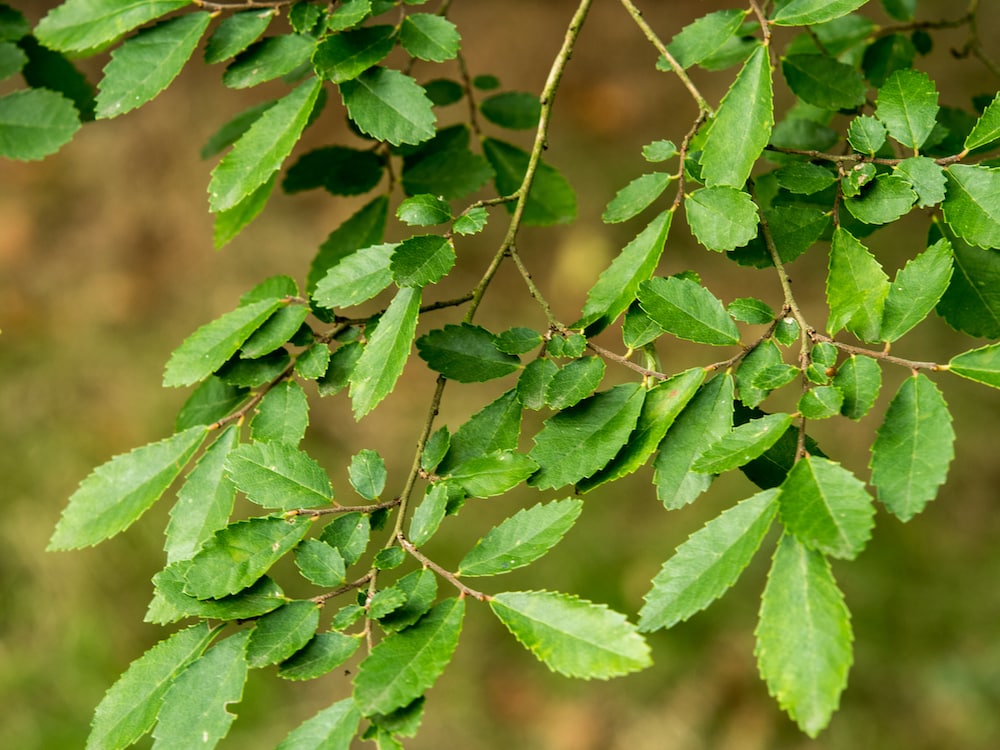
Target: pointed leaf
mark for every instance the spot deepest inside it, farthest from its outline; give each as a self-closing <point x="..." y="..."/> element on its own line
<point x="907" y="105"/>
<point x="279" y="475"/>
<point x="618" y="284"/>
<point x="367" y="474"/>
<point x="146" y="64"/>
<point x="389" y="106"/>
<point x="551" y="200"/>
<point x="232" y="221"/>
<point x="981" y="365"/>
<point x="259" y="152"/>
<point x="428" y="516"/>
<point x="429" y="37"/>
<point x="170" y="603"/>
<point x="707" y="417"/>
<point x="856" y="288"/>
<point x="883" y="201"/>
<point x="572" y="636"/>
<point x="422" y="260"/>
<point x="333" y="728"/>
<point x="926" y="177"/>
<point x="859" y="379"/>
<point x="194" y="708"/>
<point x="237" y="32"/>
<point x="122" y="489"/>
<point x="343" y="57"/>
<point x="913" y="448"/>
<point x="268" y="59"/>
<point x="659" y="410"/>
<point x="323" y="653"/>
<point x="917" y="288"/>
<point x="721" y="217"/>
<point x="403" y="666"/>
<point x="495" y="427"/>
<point x="688" y="310"/>
<point x="972" y="301"/>
<point x="521" y="539"/>
<point x="743" y="444"/>
<point x="204" y="502"/>
<point x="465" y="353"/>
<point x="320" y="563"/>
<point x="742" y="125"/>
<point x="635" y="197"/>
<point x="383" y="359"/>
<point x="700" y="40"/>
<point x="79" y="25"/>
<point x="573" y="382"/>
<point x="129" y="708"/>
<point x="575" y="443"/>
<point x="420" y="588"/>
<point x="808" y="12"/>
<point x="35" y="123"/>
<point x="282" y="415"/>
<point x="709" y="563"/>
<point x="279" y="634"/>
<point x="493" y="474"/>
<point x="424" y="210"/>
<point x="445" y="166"/>
<point x="826" y="507"/>
<point x="803" y="636"/>
<point x="358" y="277"/>
<point x="987" y="128"/>
<point x="970" y="208"/>
<point x="364" y="229"/>
<point x="240" y="554"/>
<point x="350" y="534"/>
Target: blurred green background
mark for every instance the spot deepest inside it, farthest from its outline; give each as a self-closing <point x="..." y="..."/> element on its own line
<point x="106" y="264"/>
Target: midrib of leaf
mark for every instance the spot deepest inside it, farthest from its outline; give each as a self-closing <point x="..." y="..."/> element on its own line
<point x="695" y="321"/>
<point x="970" y="282"/>
<point x="541" y="625"/>
<point x="363" y="83"/>
<point x="829" y="510"/>
<point x="290" y="479"/>
<point x="993" y="215"/>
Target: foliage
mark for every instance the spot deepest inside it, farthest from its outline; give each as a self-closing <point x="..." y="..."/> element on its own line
<point x="865" y="144"/>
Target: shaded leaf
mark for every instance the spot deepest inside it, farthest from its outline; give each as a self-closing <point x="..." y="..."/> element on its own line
<point x="465" y="353"/>
<point x="333" y="728"/>
<point x="688" y="310"/>
<point x="572" y="636"/>
<point x="515" y="110"/>
<point x="494" y="427"/>
<point x="882" y="201"/>
<point x="823" y="81"/>
<point x="743" y="444"/>
<point x="859" y="379"/>
<point x="170" y="603"/>
<point x="279" y="634"/>
<point x="363" y="229"/>
<point x="987" y="128"/>
<point x="344" y="57"/>
<point x="268" y="59"/>
<point x="323" y="653"/>
<point x="336" y="169"/>
<point x="550" y="200"/>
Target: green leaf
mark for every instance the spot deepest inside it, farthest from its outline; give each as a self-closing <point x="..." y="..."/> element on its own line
<point x="230" y="132"/>
<point x="495" y="427"/>
<point x="204" y="502"/>
<point x="886" y="55"/>
<point x="429" y="37"/>
<point x="385" y="602"/>
<point x="907" y="105"/>
<point x="823" y="81"/>
<point x="240" y="554"/>
<point x="826" y="507"/>
<point x="349" y="533"/>
<point x="367" y="474"/>
<point x="518" y="340"/>
<point x="551" y="200"/>
<point x="282" y="415"/>
<point x="821" y="402"/>
<point x="987" y="128"/>
<point x="917" y="288"/>
<point x="700" y="40"/>
<point x="866" y="134"/>
<point x="707" y="417"/>
<point x="279" y="475"/>
<point x="575" y="443"/>
<point x="333" y="728"/>
<point x="429" y="514"/>
<point x="170" y="603"/>
<point x="515" y="110"/>
<point x="12" y="59"/>
<point x="709" y="563"/>
<point x="436" y="447"/>
<point x="659" y="410"/>
<point x="420" y="588"/>
<point x="473" y="221"/>
<point x="389" y="106"/>
<point x="575" y="381"/>
<point x="913" y="448"/>
<point x="404" y="665"/>
<point x="424" y="210"/>
<point x="279" y="634"/>
<point x="970" y="208"/>
<point x="859" y="379"/>
<point x="79" y="25"/>
<point x="657" y="151"/>
<point x="232" y="221"/>
<point x="259" y="152"/>
<point x="465" y="353"/>
<point x="742" y="125"/>
<point x="883" y="201"/>
<point x="13" y="25"/>
<point x="759" y="360"/>
<point x="743" y="444"/>
<point x="533" y="383"/>
<point x="751" y="310"/>
<point x="445" y="166"/>
<point x="972" y="300"/>
<point x="803" y="636"/>
<point x="356" y="278"/>
<point x="572" y="636"/>
<point x="492" y="474"/>
<point x="129" y="708"/>
<point x="521" y="539"/>
<point x="721" y="217"/>
<point x="856" y="288"/>
<point x="344" y="57"/>
<point x="268" y="59"/>
<point x="237" y="32"/>
<point x="336" y="169"/>
<point x="808" y="12"/>
<point x="618" y="284"/>
<point x="926" y="177"/>
<point x="35" y="123"/>
<point x="688" y="310"/>
<point x="146" y="64"/>
<point x="636" y="197"/>
<point x="422" y="260"/>
<point x="981" y="365"/>
<point x="383" y="359"/>
<point x="122" y="489"/>
<point x="320" y="563"/>
<point x="348" y="13"/>
<point x="276" y="331"/>
<point x="323" y="653"/>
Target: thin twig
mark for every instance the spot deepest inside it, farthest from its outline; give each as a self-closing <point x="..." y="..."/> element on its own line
<point x="342" y="589"/>
<point x="882" y="356"/>
<point x="445" y="574"/>
<point x="317" y="512"/>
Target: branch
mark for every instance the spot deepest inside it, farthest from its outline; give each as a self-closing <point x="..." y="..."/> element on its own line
<point x="448" y="576"/>
<point x="882" y="356"/>
<point x="317" y="512"/>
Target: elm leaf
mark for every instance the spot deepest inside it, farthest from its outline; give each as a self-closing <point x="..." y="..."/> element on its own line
<point x="688" y="310"/>
<point x="278" y="475"/>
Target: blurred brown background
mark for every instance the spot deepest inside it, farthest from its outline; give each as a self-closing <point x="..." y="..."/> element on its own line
<point x="106" y="264"/>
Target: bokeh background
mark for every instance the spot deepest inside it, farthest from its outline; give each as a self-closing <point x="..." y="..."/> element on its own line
<point x="106" y="264"/>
